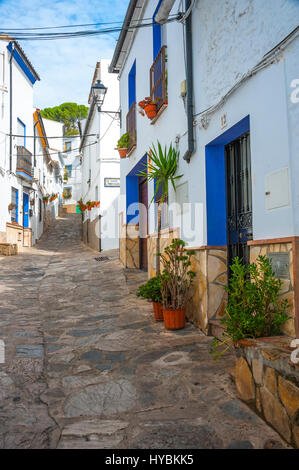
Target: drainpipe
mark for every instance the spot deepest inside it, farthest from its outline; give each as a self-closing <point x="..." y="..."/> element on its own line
<point x="189" y="80"/>
<point x="10" y="107"/>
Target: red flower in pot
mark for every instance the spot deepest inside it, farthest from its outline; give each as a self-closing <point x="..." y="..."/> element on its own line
<point x="149" y="106"/>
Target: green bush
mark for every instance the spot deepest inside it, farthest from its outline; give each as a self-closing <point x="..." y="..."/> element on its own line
<point x="151" y="290"/>
<point x="254" y="308"/>
<point x="177" y="276"/>
<point x="124" y="141"/>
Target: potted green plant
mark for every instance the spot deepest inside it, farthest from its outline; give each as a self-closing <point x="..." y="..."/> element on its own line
<point x="254" y="307"/>
<point x="161" y="169"/>
<point x="176" y="283"/>
<point x="123" y="144"/>
<point x="151" y="290"/>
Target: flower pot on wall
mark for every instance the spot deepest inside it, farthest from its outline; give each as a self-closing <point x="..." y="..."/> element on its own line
<point x="158" y="311"/>
<point x="122" y="152"/>
<point x="174" y="319"/>
<point x="151" y="110"/>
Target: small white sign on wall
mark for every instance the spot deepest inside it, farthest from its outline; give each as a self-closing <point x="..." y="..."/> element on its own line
<point x="277" y="189"/>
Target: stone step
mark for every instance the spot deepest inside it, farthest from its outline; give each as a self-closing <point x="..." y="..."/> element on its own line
<point x="215" y="329"/>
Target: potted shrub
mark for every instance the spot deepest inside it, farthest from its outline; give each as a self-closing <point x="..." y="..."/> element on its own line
<point x="149" y="106"/>
<point x="176" y="282"/>
<point x="123" y="144"/>
<point x="46" y="199"/>
<point x="254" y="308"/>
<point x="151" y="290"/>
<point x="161" y="169"/>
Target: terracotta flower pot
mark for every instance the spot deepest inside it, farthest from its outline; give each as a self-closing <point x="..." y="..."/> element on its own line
<point x="122" y="152"/>
<point x="158" y="311"/>
<point x="151" y="110"/>
<point x="174" y="319"/>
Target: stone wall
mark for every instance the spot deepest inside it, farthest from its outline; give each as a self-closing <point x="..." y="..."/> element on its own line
<point x="129" y="244"/>
<point x="132" y="246"/>
<point x="8" y="249"/>
<point x="288" y="291"/>
<point x="209" y="297"/>
<point x="70" y="208"/>
<point x="268" y="381"/>
<point x="122" y="239"/>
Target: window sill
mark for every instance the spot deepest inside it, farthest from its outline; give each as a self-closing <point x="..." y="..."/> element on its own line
<point x="131" y="151"/>
<point x="163" y="107"/>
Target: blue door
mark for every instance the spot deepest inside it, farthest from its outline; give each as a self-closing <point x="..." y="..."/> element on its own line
<point x="25" y="210"/>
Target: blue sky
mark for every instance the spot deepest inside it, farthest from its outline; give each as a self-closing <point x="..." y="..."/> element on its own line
<point x="65" y="66"/>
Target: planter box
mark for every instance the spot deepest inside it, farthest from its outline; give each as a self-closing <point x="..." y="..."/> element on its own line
<point x="267" y="379"/>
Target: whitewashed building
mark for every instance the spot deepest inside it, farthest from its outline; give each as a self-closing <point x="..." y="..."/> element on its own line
<point x="17" y="79"/>
<point x="100" y="163"/>
<point x="47" y="173"/>
<point x="225" y="79"/>
<point x="72" y="170"/>
<point x="27" y="171"/>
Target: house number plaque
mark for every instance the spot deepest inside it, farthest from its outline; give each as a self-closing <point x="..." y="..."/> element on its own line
<point x="280" y="264"/>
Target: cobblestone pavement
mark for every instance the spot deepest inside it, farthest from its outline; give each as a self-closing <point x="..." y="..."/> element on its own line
<point x="87" y="366"/>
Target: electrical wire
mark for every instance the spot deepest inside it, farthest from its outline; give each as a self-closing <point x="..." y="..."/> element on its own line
<point x="77" y="25"/>
<point x="65" y="35"/>
<point x="56" y="153"/>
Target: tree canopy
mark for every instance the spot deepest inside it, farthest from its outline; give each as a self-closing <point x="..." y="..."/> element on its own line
<point x="67" y="113"/>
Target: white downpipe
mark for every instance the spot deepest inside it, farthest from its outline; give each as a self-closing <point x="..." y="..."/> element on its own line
<point x="164" y="10"/>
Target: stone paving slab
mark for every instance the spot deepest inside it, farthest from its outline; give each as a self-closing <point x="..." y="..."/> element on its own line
<point x="88" y="367"/>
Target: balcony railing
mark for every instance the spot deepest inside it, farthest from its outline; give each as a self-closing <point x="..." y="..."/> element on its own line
<point x="131" y="126"/>
<point x="24" y="162"/>
<point x="158" y="79"/>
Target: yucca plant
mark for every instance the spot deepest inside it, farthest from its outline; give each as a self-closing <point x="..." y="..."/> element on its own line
<point x="161" y="168"/>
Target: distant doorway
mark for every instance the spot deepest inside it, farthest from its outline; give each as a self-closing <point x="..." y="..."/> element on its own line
<point x="143" y="222"/>
<point x="25" y="210"/>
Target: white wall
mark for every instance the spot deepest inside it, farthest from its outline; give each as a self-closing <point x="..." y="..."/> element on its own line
<point x="229" y="39"/>
<point x="22" y="108"/>
<point x="73" y="158"/>
<point x="101" y="160"/>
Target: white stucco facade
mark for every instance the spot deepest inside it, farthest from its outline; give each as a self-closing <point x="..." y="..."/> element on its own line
<point x="72" y="168"/>
<point x="100" y="160"/>
<point x="229" y="40"/>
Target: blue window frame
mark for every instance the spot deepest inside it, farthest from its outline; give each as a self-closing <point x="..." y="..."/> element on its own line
<point x="157" y="34"/>
<point x="132" y="84"/>
<point x="15" y="201"/>
<point x="22" y="129"/>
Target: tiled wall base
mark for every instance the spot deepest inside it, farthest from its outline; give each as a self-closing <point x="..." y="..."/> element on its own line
<point x="268" y="381"/>
<point x="129" y="245"/>
<point x="209" y="297"/>
<point x="8" y="249"/>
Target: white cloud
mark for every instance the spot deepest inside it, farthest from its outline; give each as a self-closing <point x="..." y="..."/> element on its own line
<point x="65" y="66"/>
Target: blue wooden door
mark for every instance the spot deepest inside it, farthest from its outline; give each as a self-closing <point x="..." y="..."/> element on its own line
<point x="25" y="210"/>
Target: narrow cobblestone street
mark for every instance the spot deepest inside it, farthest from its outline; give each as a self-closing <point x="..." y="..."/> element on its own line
<point x="87" y="366"/>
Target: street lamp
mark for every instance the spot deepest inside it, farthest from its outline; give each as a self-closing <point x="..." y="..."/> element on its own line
<point x="98" y="92"/>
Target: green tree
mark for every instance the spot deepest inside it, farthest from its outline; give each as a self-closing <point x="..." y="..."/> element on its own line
<point x="67" y="113"/>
